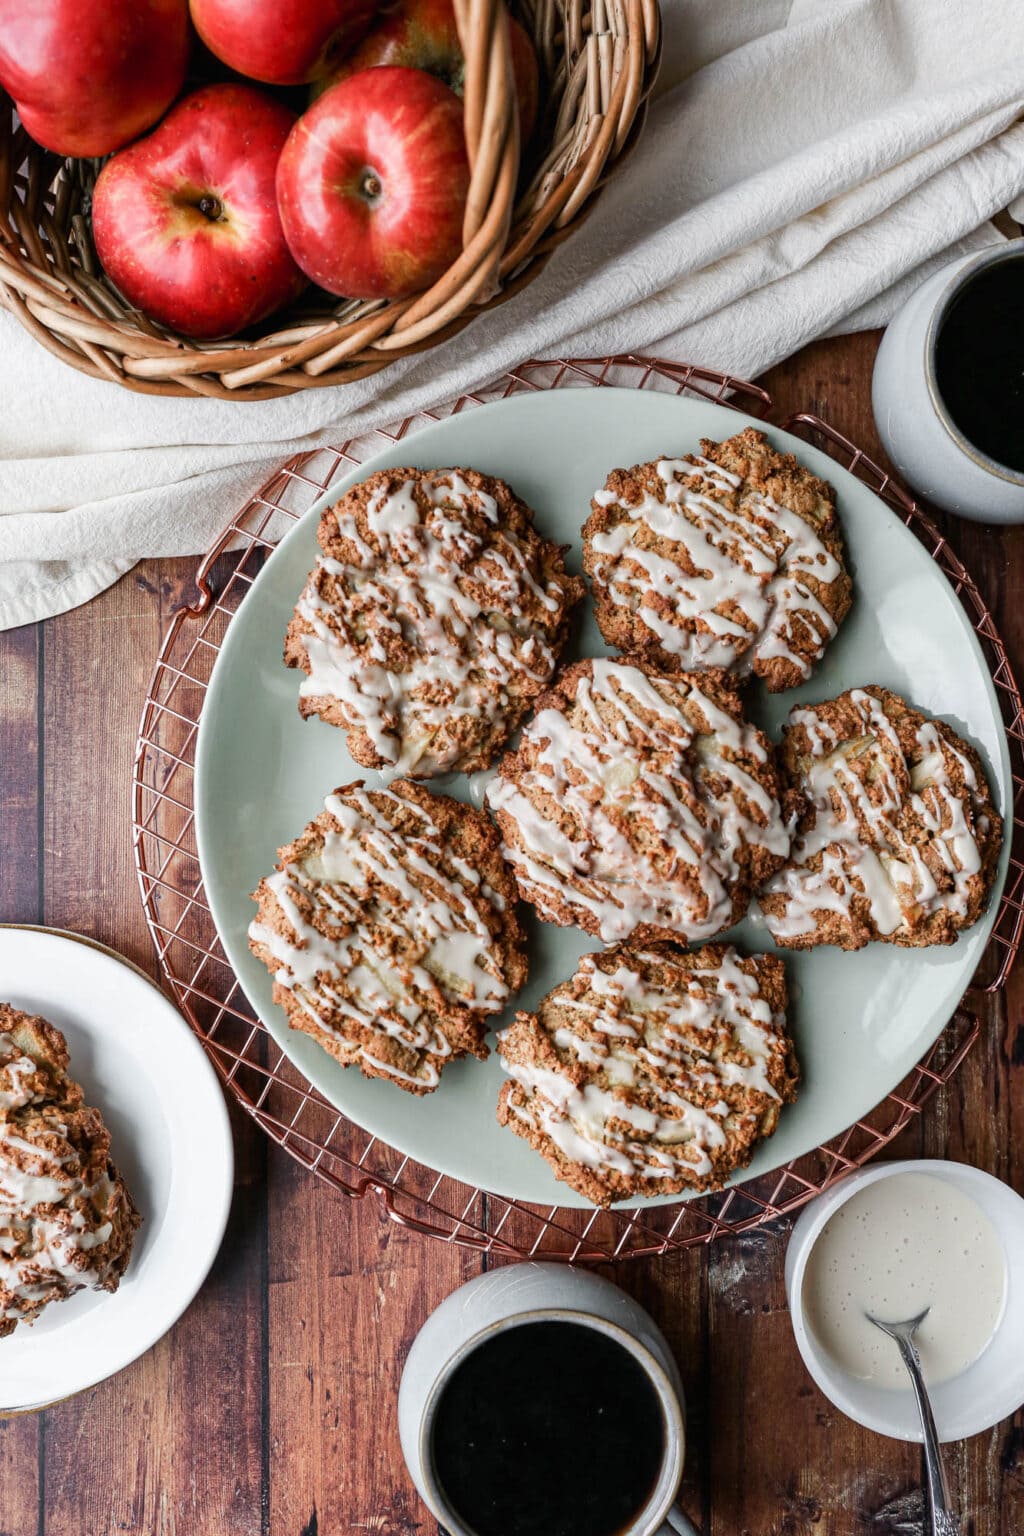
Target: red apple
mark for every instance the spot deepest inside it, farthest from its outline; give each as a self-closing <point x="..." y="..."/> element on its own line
<point x="89" y="75"/>
<point x="283" y="42"/>
<point x="421" y="34"/>
<point x="186" y="222"/>
<point x="372" y="184"/>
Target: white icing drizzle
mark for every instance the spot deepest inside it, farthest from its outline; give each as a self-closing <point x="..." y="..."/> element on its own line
<point x="663" y="808"/>
<point x="744" y="552"/>
<point x="660" y="1062"/>
<point x="477" y="624"/>
<point x="52" y="1216"/>
<point x="15" y="1070"/>
<point x="393" y="936"/>
<point x="861" y="790"/>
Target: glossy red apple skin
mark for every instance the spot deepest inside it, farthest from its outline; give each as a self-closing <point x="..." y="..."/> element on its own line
<point x="211" y="273"/>
<point x="421" y="34"/>
<point x="396" y="130"/>
<point x="281" y="42"/>
<point x="90" y="75"/>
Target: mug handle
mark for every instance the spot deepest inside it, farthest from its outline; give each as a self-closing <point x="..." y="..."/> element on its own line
<point x="677" y="1524"/>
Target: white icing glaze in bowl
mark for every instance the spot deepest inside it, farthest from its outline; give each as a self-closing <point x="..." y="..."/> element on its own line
<point x="978" y="1397"/>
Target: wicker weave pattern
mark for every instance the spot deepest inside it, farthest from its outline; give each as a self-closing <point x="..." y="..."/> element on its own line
<point x="598" y="59"/>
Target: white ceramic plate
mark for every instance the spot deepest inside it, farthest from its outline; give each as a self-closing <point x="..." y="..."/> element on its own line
<point x="142" y="1067"/>
<point x="860" y="1021"/>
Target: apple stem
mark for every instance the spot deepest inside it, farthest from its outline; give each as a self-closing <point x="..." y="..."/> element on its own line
<point x="210" y="207"/>
<point x="371" y="186"/>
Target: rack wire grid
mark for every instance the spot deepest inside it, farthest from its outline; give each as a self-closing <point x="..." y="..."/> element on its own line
<point x="252" y="1065"/>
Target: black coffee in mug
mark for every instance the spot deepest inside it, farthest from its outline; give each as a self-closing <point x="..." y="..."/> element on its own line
<point x="979" y="361"/>
<point x="548" y="1429"/>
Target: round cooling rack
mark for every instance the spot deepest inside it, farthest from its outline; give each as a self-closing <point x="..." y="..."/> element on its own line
<point x="250" y="1062"/>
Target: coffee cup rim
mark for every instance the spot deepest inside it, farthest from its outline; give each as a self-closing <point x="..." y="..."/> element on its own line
<point x="991" y="256"/>
<point x="650" y="1519"/>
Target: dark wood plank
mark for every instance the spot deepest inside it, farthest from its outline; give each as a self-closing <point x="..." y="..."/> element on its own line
<point x="21" y="1450"/>
<point x="20" y="894"/>
<point x="97" y="661"/>
<point x="348" y="1292"/>
<point x="21" y="1439"/>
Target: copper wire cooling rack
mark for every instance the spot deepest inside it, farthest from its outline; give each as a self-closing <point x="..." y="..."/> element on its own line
<point x="252" y="1065"/>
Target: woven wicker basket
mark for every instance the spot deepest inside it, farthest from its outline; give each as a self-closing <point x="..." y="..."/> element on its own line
<point x="597" y="58"/>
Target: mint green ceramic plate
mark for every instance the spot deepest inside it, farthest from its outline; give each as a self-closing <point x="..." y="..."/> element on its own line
<point x="860" y="1020"/>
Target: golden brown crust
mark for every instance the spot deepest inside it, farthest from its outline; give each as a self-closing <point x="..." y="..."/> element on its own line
<point x="733" y="560"/>
<point x="897" y="839"/>
<point x="652" y="1071"/>
<point x="391" y="933"/>
<point x="67" y="1219"/>
<point x="639" y="806"/>
<point x="432" y="620"/>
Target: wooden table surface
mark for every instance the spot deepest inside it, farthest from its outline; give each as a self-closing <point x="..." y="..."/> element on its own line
<point x="269" y="1410"/>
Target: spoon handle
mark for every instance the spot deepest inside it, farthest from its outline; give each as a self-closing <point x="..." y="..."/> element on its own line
<point x="943" y="1521"/>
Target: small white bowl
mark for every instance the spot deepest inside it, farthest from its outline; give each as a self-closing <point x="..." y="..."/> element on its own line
<point x="990" y="1389"/>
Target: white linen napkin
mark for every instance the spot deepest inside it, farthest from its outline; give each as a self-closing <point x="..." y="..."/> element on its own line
<point x="806" y="164"/>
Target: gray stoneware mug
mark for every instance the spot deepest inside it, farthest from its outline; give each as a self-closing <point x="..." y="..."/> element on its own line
<point x="531" y="1293"/>
<point x="920" y="436"/>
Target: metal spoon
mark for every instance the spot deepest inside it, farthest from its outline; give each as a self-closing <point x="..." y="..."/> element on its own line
<point x="943" y="1522"/>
